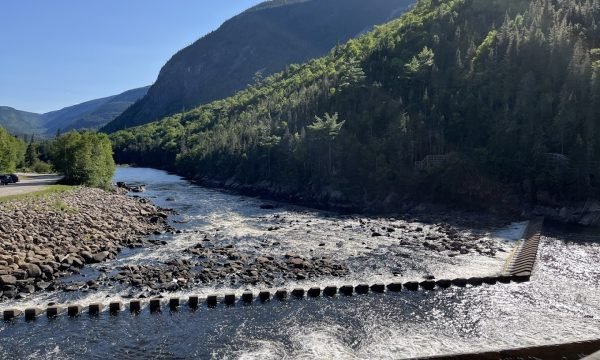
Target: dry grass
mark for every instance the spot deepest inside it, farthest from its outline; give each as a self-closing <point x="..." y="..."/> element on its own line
<point x="49" y="190"/>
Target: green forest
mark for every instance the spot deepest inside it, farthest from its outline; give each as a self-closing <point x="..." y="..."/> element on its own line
<point x="504" y="93"/>
<point x="82" y="158"/>
<point x="12" y="152"/>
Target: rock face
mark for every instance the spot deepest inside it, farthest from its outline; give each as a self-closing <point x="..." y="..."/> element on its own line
<point x="42" y="239"/>
<point x="263" y="39"/>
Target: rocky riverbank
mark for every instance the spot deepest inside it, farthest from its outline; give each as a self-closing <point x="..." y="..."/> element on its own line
<point x="220" y="266"/>
<point x="43" y="239"/>
<point x="584" y="213"/>
<point x="296" y="246"/>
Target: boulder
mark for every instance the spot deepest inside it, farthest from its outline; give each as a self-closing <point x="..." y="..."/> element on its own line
<point x="32" y="270"/>
<point x="77" y="262"/>
<point x="86" y="255"/>
<point x="296" y="262"/>
<point x="100" y="257"/>
<point x="10" y="293"/>
<point x="47" y="269"/>
<point x="262" y="260"/>
<point x="8" y="280"/>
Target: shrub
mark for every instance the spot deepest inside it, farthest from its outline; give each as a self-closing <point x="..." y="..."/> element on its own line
<point x="84" y="159"/>
<point x="41" y="167"/>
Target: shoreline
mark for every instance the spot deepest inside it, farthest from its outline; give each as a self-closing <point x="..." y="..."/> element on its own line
<point x="55" y="235"/>
<point x="585" y="214"/>
<point x="211" y="260"/>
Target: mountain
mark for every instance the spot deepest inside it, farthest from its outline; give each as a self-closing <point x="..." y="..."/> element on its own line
<point x="88" y="115"/>
<point x="475" y="102"/>
<point x="91" y="114"/>
<point x="262" y="40"/>
<point x="19" y="122"/>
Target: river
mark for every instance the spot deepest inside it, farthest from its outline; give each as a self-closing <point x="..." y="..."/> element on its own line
<point x="560" y="304"/>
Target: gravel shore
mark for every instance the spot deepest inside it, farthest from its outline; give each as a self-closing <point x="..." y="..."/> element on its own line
<point x="45" y="238"/>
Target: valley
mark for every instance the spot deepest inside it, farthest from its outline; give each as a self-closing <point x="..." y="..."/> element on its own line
<point x="89" y="115"/>
<point x="392" y="325"/>
<point x="327" y="179"/>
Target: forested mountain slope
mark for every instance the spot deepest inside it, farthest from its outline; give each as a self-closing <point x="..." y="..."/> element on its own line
<point x="263" y="40"/>
<point x="19" y="122"/>
<point x="87" y="115"/>
<point x="507" y="90"/>
<point x="91" y="114"/>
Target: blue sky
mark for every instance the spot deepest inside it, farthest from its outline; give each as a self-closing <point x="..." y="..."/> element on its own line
<point x="63" y="52"/>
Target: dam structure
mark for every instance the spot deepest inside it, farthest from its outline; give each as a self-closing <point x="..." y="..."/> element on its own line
<point x="518" y="269"/>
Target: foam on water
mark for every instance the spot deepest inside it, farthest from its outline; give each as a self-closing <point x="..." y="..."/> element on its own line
<point x="236" y="220"/>
<point x="560" y="304"/>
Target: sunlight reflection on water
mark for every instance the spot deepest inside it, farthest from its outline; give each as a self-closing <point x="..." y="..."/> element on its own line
<point x="560" y="304"/>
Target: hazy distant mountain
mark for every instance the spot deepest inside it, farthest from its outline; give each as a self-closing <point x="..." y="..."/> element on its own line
<point x="19" y="122"/>
<point x="263" y="39"/>
<point x="91" y="114"/>
<point x="88" y="115"/>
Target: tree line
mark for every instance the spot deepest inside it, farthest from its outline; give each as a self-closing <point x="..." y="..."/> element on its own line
<point x="82" y="158"/>
<point x="507" y="90"/>
<point x="12" y="152"/>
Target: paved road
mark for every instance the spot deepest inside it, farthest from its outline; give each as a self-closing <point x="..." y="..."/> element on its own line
<point x="34" y="182"/>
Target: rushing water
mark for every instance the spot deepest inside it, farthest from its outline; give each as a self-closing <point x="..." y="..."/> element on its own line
<point x="560" y="304"/>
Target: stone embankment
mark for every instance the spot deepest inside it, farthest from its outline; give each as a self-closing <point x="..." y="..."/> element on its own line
<point x="46" y="238"/>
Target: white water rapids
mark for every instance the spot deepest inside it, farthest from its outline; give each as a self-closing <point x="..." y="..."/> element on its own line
<point x="560" y="304"/>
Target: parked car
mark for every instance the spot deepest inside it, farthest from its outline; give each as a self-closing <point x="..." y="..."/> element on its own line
<point x="6" y="179"/>
<point x="14" y="177"/>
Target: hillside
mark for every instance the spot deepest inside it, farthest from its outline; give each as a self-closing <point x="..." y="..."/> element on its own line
<point x="91" y="114"/>
<point x="263" y="40"/>
<point x="507" y="93"/>
<point x="18" y="122"/>
<point x="88" y="115"/>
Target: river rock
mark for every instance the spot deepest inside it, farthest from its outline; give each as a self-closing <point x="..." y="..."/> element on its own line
<point x="20" y="274"/>
<point x="47" y="269"/>
<point x="47" y="242"/>
<point x="100" y="257"/>
<point x="32" y="270"/>
<point x="8" y="280"/>
<point x="296" y="262"/>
